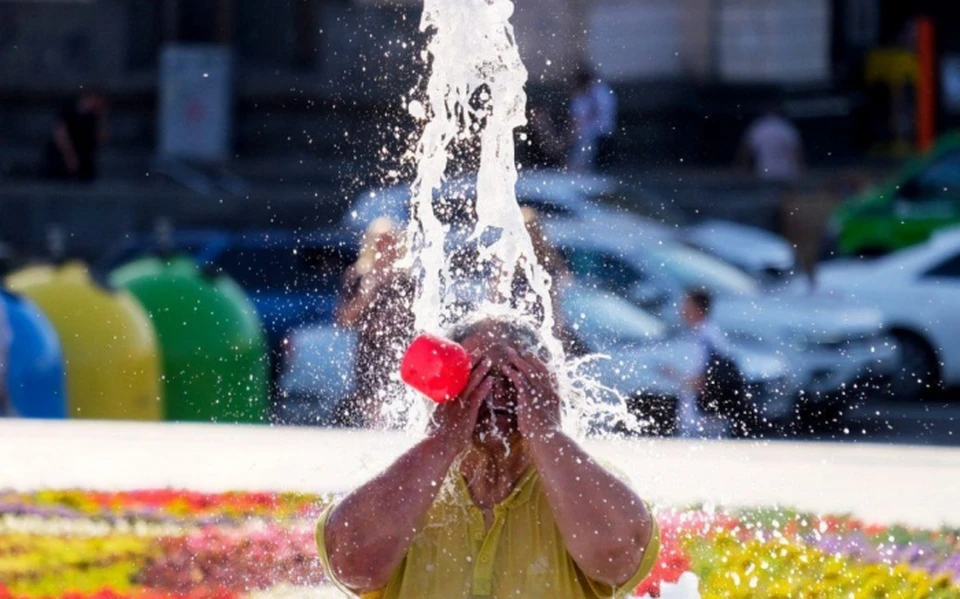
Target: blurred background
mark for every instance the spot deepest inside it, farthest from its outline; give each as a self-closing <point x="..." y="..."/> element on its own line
<point x="193" y="195"/>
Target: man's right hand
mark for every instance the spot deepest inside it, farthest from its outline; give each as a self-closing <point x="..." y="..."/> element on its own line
<point x="454" y="421"/>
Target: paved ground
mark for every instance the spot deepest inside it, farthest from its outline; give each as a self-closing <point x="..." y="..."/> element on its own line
<point x="883" y="483"/>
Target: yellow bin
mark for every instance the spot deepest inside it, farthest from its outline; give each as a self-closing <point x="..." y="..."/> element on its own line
<point x="109" y="345"/>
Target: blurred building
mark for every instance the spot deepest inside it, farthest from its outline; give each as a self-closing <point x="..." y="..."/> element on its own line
<point x="670" y="60"/>
<point x="313" y="86"/>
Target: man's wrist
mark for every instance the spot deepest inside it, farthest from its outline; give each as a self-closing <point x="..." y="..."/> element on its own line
<point x="445" y="442"/>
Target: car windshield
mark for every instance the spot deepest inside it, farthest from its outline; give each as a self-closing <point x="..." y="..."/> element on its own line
<point x="694" y="268"/>
<point x="602" y="319"/>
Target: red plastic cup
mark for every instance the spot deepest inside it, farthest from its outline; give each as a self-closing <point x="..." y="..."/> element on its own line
<point x="436" y="367"/>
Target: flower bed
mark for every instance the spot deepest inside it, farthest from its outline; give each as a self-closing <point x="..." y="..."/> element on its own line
<point x="178" y="544"/>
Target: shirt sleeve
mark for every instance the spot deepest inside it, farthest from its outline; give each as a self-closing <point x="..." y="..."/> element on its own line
<point x="325" y="558"/>
<point x="650" y="555"/>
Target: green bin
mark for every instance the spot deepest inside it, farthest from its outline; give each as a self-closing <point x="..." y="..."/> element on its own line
<point x="212" y="347"/>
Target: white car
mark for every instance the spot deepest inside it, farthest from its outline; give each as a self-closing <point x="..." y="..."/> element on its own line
<point x="918" y="292"/>
<point x="555" y="198"/>
<point x="765" y="256"/>
<point x="317" y="374"/>
<point x="590" y="200"/>
<point x="834" y="347"/>
<point x="640" y="347"/>
<point x="318" y="371"/>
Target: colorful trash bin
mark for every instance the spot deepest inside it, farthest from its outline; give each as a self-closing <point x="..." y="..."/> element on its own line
<point x="35" y="378"/>
<point x="109" y="347"/>
<point x="211" y="343"/>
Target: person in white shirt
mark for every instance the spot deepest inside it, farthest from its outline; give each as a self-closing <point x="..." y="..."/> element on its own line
<point x="593" y="116"/>
<point x="692" y="423"/>
<point x="773" y="147"/>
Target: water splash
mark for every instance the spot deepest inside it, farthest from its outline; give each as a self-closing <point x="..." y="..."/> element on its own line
<point x="475" y="97"/>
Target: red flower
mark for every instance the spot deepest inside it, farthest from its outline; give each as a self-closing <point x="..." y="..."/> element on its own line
<point x="672" y="562"/>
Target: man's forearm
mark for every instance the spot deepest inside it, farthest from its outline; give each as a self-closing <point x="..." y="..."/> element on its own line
<point x="370" y="531"/>
<point x="605" y="526"/>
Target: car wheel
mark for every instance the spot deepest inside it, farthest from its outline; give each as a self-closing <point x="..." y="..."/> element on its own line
<point x="919" y="372"/>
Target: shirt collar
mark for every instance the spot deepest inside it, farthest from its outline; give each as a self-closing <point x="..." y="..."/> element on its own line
<point x="521" y="493"/>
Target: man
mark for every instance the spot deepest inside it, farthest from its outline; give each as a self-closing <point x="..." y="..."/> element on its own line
<point x="772" y="145"/>
<point x="713" y="400"/>
<point x="80" y="130"/>
<point x="593" y="115"/>
<point x="377" y="305"/>
<point x="496" y="501"/>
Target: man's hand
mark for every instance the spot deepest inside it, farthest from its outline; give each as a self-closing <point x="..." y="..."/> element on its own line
<point x="455" y="420"/>
<point x="538" y="403"/>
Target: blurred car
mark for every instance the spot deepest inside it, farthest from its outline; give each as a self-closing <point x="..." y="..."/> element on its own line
<point x="918" y="292"/>
<point x="317" y="374"/>
<point x="831" y="345"/>
<point x="923" y="197"/>
<point x="553" y="199"/>
<point x="765" y="256"/>
<point x="560" y="197"/>
<point x="293" y="279"/>
<point x="639" y="347"/>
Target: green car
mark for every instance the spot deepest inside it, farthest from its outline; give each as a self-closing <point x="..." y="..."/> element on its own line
<point x="922" y="198"/>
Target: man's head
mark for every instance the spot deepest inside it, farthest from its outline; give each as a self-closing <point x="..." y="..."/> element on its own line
<point x="696" y="307"/>
<point x="497" y="420"/>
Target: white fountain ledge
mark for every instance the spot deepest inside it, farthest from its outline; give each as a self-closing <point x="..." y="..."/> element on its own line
<point x="883" y="484"/>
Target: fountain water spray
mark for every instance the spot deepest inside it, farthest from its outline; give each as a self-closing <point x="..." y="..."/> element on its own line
<point x="474" y="95"/>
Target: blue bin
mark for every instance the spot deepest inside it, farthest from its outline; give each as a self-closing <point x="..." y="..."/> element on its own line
<point x="35" y="373"/>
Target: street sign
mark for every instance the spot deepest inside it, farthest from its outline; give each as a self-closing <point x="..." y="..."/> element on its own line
<point x="196" y="92"/>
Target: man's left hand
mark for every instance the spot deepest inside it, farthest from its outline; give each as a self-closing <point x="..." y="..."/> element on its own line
<point x="538" y="403"/>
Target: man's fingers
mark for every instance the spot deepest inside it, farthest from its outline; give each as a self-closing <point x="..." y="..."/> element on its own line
<point x="481" y="369"/>
<point x="478" y="395"/>
<point x="520" y="382"/>
<point x="537" y="364"/>
<point x="518" y="362"/>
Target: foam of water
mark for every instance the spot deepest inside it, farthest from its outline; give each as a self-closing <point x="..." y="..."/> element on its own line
<point x="475" y="94"/>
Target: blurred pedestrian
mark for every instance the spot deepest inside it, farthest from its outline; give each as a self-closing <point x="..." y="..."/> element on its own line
<point x="712" y="401"/>
<point x="772" y="147"/>
<point x="80" y="130"/>
<point x="378" y="306"/>
<point x="593" y="116"/>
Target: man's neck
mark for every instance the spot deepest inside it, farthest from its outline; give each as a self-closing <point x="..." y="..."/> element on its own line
<point x="492" y="472"/>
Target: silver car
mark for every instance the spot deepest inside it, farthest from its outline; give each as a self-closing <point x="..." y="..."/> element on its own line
<point x="640" y="349"/>
<point x="836" y="349"/>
